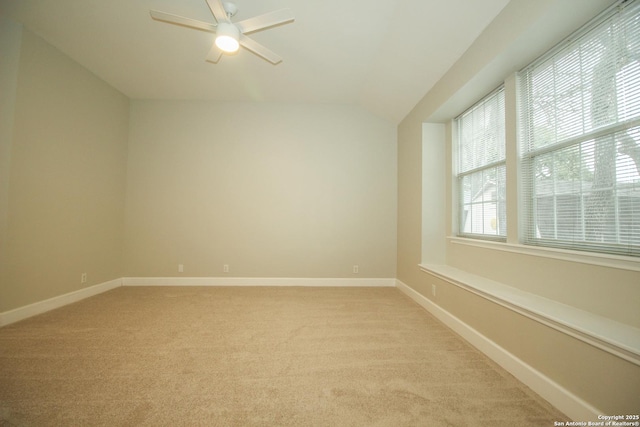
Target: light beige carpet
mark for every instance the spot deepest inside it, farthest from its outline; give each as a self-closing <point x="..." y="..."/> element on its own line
<point x="253" y="357"/>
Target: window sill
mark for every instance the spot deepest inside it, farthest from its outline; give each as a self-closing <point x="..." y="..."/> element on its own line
<point x="614" y="337"/>
<point x="592" y="258"/>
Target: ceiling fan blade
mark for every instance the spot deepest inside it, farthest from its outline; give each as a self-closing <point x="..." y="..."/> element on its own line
<point x="214" y="54"/>
<point x="181" y="20"/>
<point x="271" y="19"/>
<point x="259" y="50"/>
<point x="218" y="10"/>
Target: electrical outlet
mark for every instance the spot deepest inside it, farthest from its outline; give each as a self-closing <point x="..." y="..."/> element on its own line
<point x="356" y="269"/>
<point x="433" y="290"/>
<point x="180" y="268"/>
<point x="83" y="278"/>
<point x="225" y="268"/>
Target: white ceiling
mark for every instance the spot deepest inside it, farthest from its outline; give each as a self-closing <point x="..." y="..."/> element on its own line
<point x="381" y="55"/>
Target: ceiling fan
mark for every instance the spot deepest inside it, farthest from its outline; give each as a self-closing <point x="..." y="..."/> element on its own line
<point x="229" y="35"/>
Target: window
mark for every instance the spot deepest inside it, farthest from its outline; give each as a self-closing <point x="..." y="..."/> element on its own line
<point x="481" y="169"/>
<point x="580" y="139"/>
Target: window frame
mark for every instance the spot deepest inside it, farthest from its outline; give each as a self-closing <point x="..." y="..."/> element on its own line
<point x="527" y="194"/>
<point x="459" y="176"/>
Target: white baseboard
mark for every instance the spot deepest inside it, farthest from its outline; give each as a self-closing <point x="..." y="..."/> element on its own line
<point x="558" y="396"/>
<point x="258" y="281"/>
<point x="40" y="307"/>
<point x="21" y="313"/>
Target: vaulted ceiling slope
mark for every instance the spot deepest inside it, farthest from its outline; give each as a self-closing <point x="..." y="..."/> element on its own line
<point x="381" y="55"/>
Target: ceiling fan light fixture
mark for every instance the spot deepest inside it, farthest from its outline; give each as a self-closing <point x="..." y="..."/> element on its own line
<point x="227" y="36"/>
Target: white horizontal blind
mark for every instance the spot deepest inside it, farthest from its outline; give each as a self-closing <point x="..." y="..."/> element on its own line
<point x="580" y="136"/>
<point x="481" y="169"/>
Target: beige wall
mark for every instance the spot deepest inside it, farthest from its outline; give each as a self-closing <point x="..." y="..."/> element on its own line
<point x="10" y="42"/>
<point x="523" y="31"/>
<point x="67" y="174"/>
<point x="272" y="190"/>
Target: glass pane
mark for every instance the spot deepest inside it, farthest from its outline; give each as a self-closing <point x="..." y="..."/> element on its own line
<point x="481" y="133"/>
<point x="501" y="186"/>
<point x="590" y="192"/>
<point x="593" y="82"/>
<point x="483" y="211"/>
<point x="629" y="208"/>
